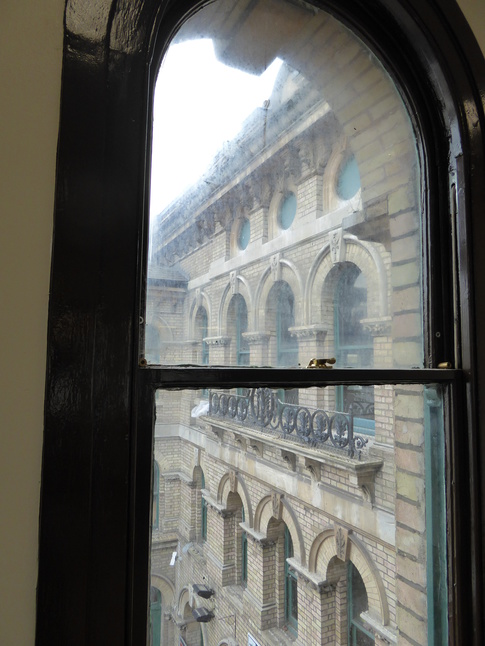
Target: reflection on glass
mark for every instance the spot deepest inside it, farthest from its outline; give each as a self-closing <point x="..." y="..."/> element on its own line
<point x="308" y="185"/>
<point x="269" y="508"/>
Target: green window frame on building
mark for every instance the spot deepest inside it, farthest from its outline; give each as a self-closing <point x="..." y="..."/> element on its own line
<point x="350" y="306"/>
<point x="358" y="635"/>
<point x="155" y="616"/>
<point x="244" y="554"/>
<point x="203" y="513"/>
<point x="291" y="587"/>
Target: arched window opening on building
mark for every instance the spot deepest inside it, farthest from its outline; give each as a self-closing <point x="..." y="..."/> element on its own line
<point x="203" y="511"/>
<point x="237" y="324"/>
<point x="353" y="345"/>
<point x="281" y="316"/>
<point x="156" y="496"/>
<point x="201" y="331"/>
<point x="357" y="603"/>
<point x="244" y="553"/>
<point x="155" y="616"/>
<point x="291" y="586"/>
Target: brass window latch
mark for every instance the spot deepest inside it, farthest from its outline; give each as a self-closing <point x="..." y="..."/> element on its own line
<point x="321" y="363"/>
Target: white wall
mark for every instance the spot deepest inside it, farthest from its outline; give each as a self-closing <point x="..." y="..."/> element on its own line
<point x="30" y="69"/>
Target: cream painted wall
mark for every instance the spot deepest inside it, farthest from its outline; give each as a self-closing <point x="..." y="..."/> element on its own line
<point x="30" y="70"/>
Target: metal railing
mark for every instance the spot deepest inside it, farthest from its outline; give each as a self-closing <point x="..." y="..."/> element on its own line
<point x="262" y="409"/>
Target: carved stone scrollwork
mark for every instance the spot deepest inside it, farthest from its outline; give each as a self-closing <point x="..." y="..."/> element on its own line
<point x="277" y="505"/>
<point x="342" y="543"/>
<point x="234" y="282"/>
<point x="217" y="340"/>
<point x="256" y="446"/>
<point x="315" y="469"/>
<point x="276" y="267"/>
<point x="337" y="246"/>
<point x="314" y="332"/>
<point x="379" y="326"/>
<point x="233" y="481"/>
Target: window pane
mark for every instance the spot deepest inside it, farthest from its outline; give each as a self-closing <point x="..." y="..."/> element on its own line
<point x="284" y="172"/>
<point x="275" y="507"/>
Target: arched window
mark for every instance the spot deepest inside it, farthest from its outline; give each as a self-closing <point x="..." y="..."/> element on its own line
<point x="201" y="330"/>
<point x="203" y="512"/>
<point x="244" y="554"/>
<point x="356" y="605"/>
<point x="155" y="616"/>
<point x="95" y="290"/>
<point x="353" y="345"/>
<point x="291" y="586"/>
<point x="237" y="324"/>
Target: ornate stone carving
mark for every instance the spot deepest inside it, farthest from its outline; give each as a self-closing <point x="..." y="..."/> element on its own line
<point x="337" y="246"/>
<point x="342" y="542"/>
<point x="234" y="282"/>
<point x="233" y="481"/>
<point x="290" y="459"/>
<point x="313" y="332"/>
<point x="378" y="327"/>
<point x="198" y="297"/>
<point x="276" y="266"/>
<point x="315" y="469"/>
<point x="217" y="340"/>
<point x="256" y="338"/>
<point x="277" y="505"/>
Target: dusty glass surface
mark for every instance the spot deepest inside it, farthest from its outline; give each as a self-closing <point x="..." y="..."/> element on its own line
<point x="288" y="520"/>
<point x="285" y="173"/>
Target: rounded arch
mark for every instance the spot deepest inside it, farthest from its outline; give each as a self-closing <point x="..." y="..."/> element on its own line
<point x="183" y="601"/>
<point x="373" y="261"/>
<point x="199" y="300"/>
<point x="224" y="490"/>
<point x="264" y="514"/>
<point x="166" y="587"/>
<point x="244" y="290"/>
<point x="323" y="550"/>
<point x="279" y="270"/>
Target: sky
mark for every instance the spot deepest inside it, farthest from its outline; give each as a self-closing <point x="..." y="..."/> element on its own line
<point x="199" y="104"/>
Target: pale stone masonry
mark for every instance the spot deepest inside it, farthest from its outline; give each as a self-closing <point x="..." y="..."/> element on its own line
<point x="225" y="481"/>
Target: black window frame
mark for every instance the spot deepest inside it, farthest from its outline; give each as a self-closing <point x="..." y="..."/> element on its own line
<point x="95" y="500"/>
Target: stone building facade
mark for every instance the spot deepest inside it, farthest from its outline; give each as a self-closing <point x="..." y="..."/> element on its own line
<point x="307" y="514"/>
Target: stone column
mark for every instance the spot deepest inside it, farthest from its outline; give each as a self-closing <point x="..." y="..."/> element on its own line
<point x="311" y="339"/>
<point x="218" y="350"/>
<point x="259" y="595"/>
<point x="220" y="544"/>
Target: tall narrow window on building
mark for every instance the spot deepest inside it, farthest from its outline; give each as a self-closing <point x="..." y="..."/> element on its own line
<point x="155" y="616"/>
<point x="359" y="634"/>
<point x="201" y="329"/>
<point x="237" y="325"/>
<point x="203" y="513"/>
<point x="244" y="554"/>
<point x="291" y="586"/>
<point x="353" y="345"/>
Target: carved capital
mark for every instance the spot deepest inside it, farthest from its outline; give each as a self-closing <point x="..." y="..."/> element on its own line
<point x="314" y="332"/>
<point x="217" y="340"/>
<point x="379" y="326"/>
<point x="256" y="338"/>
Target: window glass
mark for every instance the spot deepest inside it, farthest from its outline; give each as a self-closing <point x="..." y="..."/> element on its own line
<point x="287" y="211"/>
<point x="291" y="493"/>
<point x="287" y="132"/>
